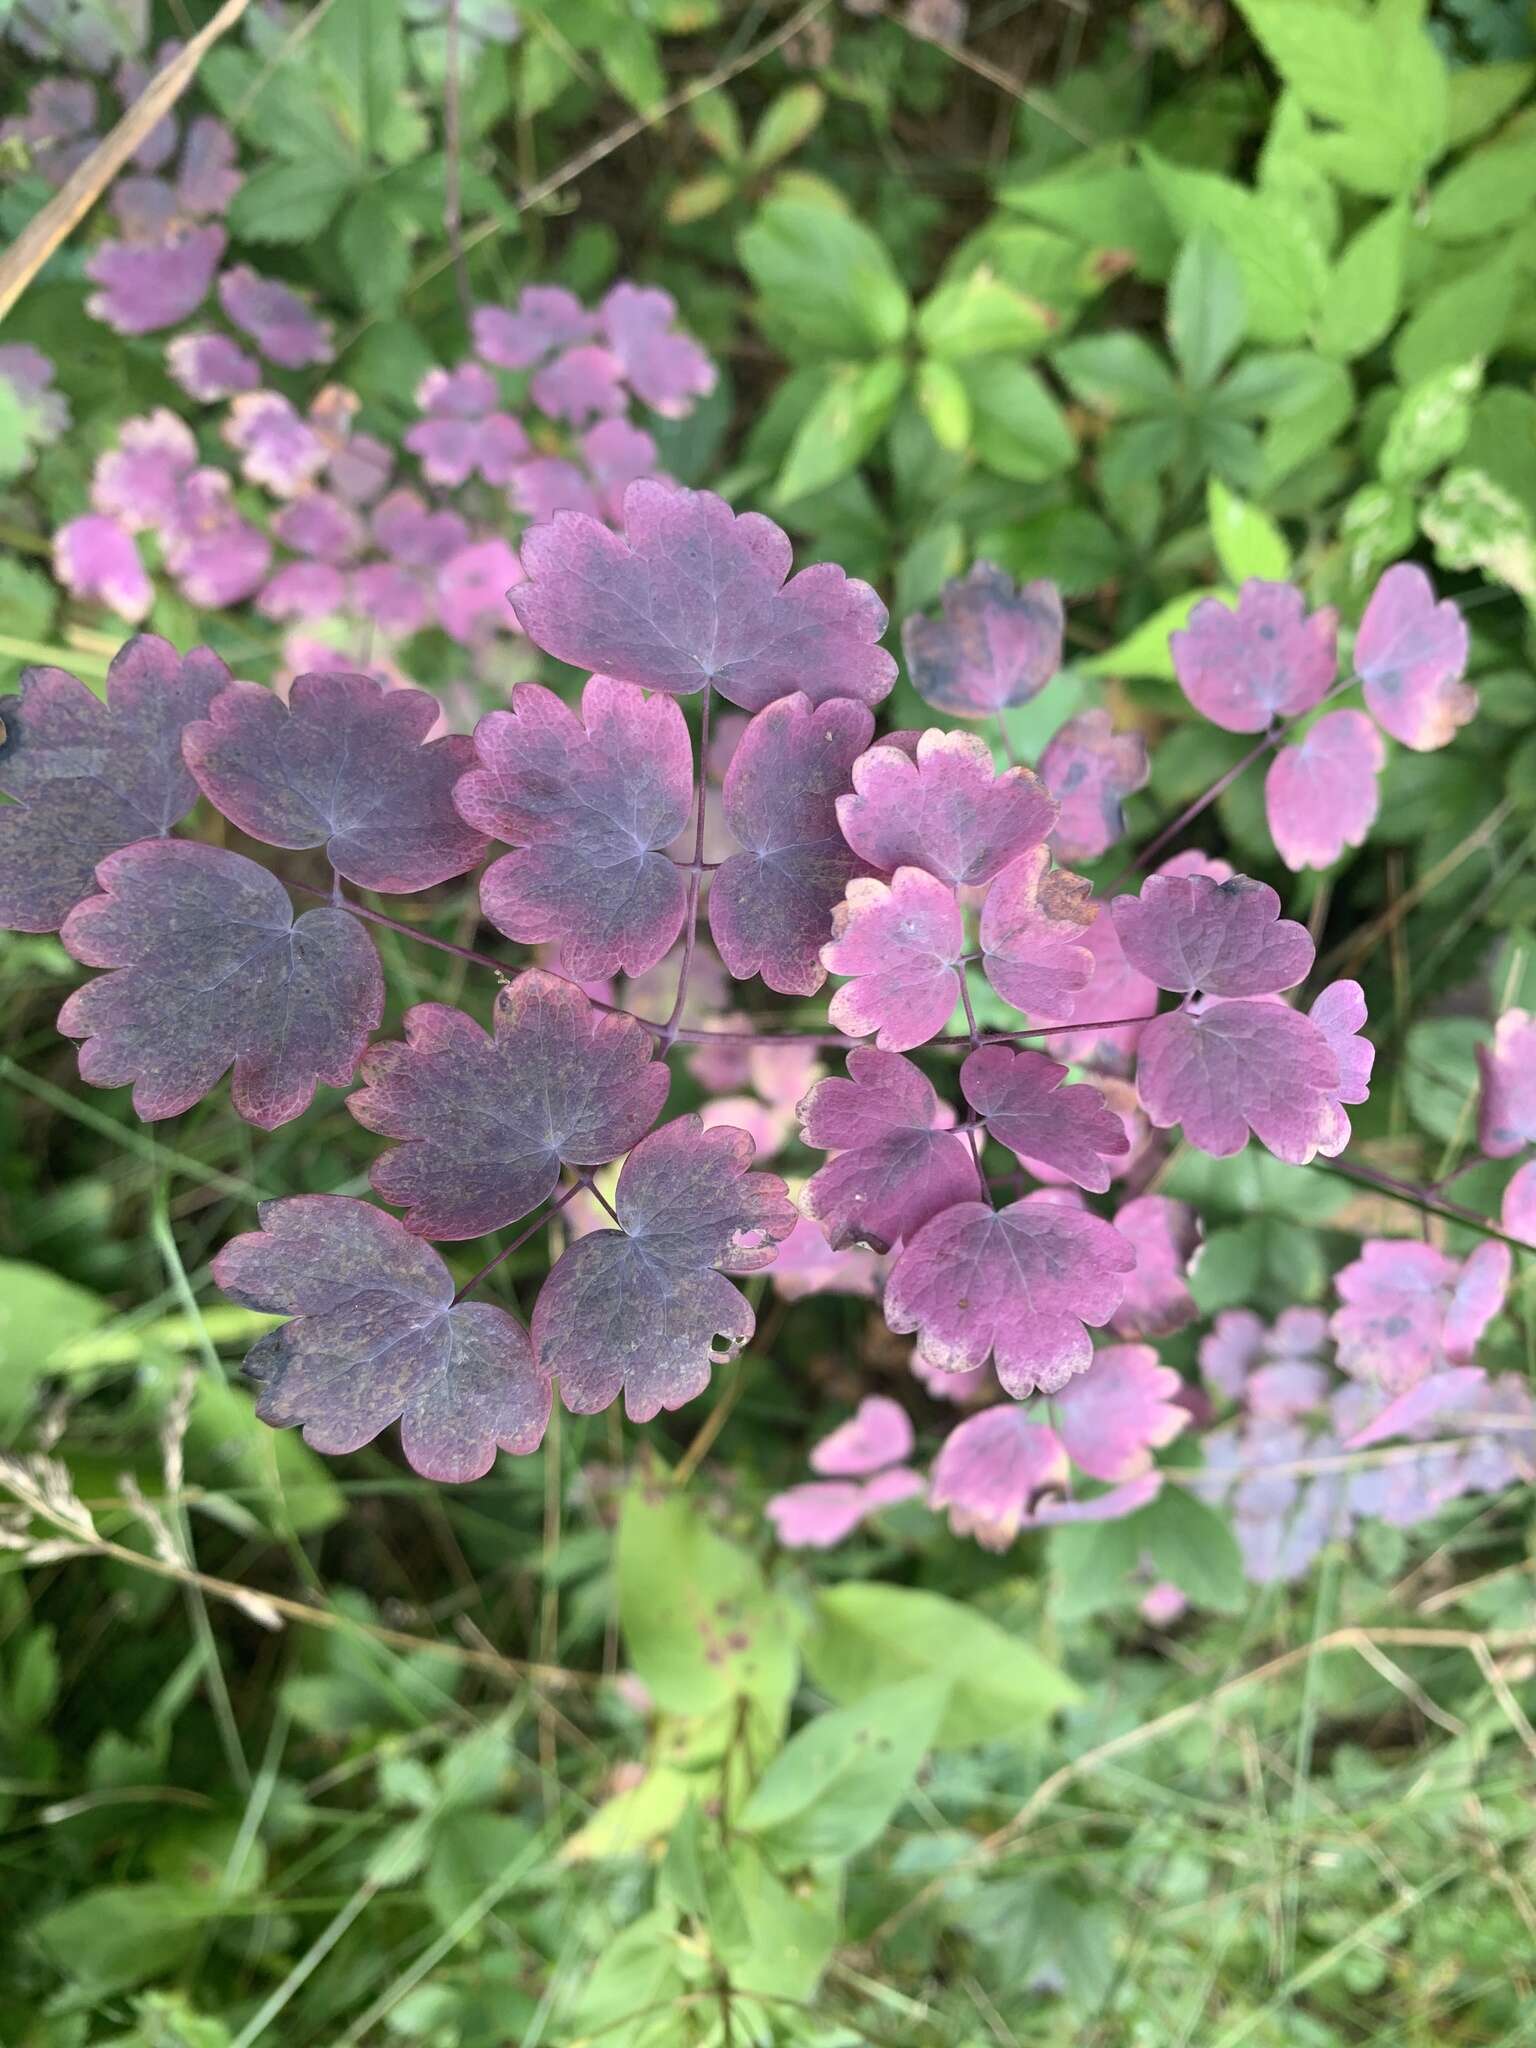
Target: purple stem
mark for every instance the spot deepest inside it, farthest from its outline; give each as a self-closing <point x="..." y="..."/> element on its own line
<point x="521" y="1239"/>
<point x="1418" y="1198"/>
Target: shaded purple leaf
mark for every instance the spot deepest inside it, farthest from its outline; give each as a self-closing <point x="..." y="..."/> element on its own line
<point x="641" y="1308"/>
<point x="211" y="969"/>
<point x="1506" y="1117"/>
<point x="488" y="1121"/>
<point x="341" y="765"/>
<point x="1411" y="654"/>
<point x="1090" y="769"/>
<point x="1189" y="933"/>
<point x="277" y="446"/>
<point x="547" y="317"/>
<point x="666" y="370"/>
<point x="138" y="482"/>
<point x="1321" y="795"/>
<point x="149" y="285"/>
<point x="96" y="558"/>
<point x="1165" y="1235"/>
<point x="771" y="905"/>
<point x="1409" y="1310"/>
<point x="471" y="589"/>
<point x="943" y="809"/>
<point x="902" y="942"/>
<point x="376" y="1338"/>
<point x="1458" y="1387"/>
<point x="89" y="777"/>
<point x="1119" y="1411"/>
<point x="217" y="558"/>
<point x="589" y="803"/>
<point x="1113" y="990"/>
<point x="1033" y="929"/>
<point x="1339" y="1013"/>
<point x="584" y="384"/>
<point x="996" y="644"/>
<point x="993" y="1469"/>
<point x="1264" y="659"/>
<point x="1237" y="1067"/>
<point x="283" y="326"/>
<point x="1019" y="1096"/>
<point x="692" y="595"/>
<point x="1517" y="1211"/>
<point x="897" y="1164"/>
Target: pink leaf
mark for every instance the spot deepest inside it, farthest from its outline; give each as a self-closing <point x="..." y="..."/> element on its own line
<point x="944" y="810"/>
<point x="896" y="1164"/>
<point x="183" y="925"/>
<point x="819" y="1515"/>
<point x="876" y="1435"/>
<point x="1018" y="1283"/>
<point x="641" y="1308"/>
<point x="375" y="1337"/>
<point x="902" y="942"/>
<point x="1409" y="1310"/>
<point x="771" y="904"/>
<point x="1518" y="1210"/>
<point x="1265" y="659"/>
<point x="1114" y="990"/>
<point x="666" y="370"/>
<point x="589" y="803"/>
<point x="1339" y="1013"/>
<point x="487" y="1123"/>
<point x="1165" y="1236"/>
<point x="693" y="595"/>
<point x="1189" y="933"/>
<point x="1033" y="930"/>
<point x="1019" y="1096"/>
<point x="807" y="1264"/>
<point x="1477" y="1298"/>
<point x="146" y="286"/>
<point x="1408" y="1414"/>
<point x="1121" y="1409"/>
<point x="1411" y="654"/>
<point x="1321" y="795"/>
<point x="137" y="482"/>
<point x="96" y="558"/>
<point x="996" y="645"/>
<point x="1236" y="1067"/>
<point x="1090" y="769"/>
<point x="586" y="383"/>
<point x="547" y="317"/>
<point x="341" y="765"/>
<point x="1506" y="1117"/>
<point x="283" y="325"/>
<point x="209" y="366"/>
<point x="992" y="1469"/>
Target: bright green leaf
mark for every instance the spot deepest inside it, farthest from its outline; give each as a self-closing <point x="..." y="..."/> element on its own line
<point x="834" y="1786"/>
<point x="1192" y="1545"/>
<point x="1206" y="308"/>
<point x="1247" y="541"/>
<point x="1021" y="432"/>
<point x="1365" y="289"/>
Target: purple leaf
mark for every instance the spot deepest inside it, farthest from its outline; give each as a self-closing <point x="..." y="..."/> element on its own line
<point x="1113" y="990"/>
<point x="96" y="558"/>
<point x="322" y="525"/>
<point x="943" y="809"/>
<point x="1477" y="1298"/>
<point x="1240" y="1066"/>
<point x="807" y="1265"/>
<point x="463" y="434"/>
<point x="217" y="557"/>
<point x="583" y="384"/>
<point x="206" y="178"/>
<point x="1459" y="1387"/>
<point x="138" y="482"/>
<point x="1506" y="1117"/>
<point x="1018" y="1284"/>
<point x="212" y="969"/>
<point x="902" y="941"/>
<point x="409" y="531"/>
<point x="820" y="1514"/>
<point x="282" y="325"/>
<point x="1321" y="795"/>
<point x="303" y="590"/>
<point x="1019" y="1097"/>
<point x="43" y="412"/>
<point x="1411" y="654"/>
<point x="547" y="317"/>
<point x="1121" y="1409"/>
<point x="1090" y="769"/>
<point x="488" y="1122"/>
<point x="1245" y="667"/>
<point x="877" y="1434"/>
<point x="666" y="371"/>
<point x="1189" y="933"/>
<point x="996" y="645"/>
<point x="376" y="1338"/>
<point x="641" y="1307"/>
<point x="1410" y="1311"/>
<point x="1033" y="926"/>
<point x="1517" y="1212"/>
<point x="278" y="448"/>
<point x="896" y="1166"/>
<point x="693" y="595"/>
<point x="1165" y="1236"/>
<point x="549" y="485"/>
<point x="149" y="285"/>
<point x="1339" y="1013"/>
<point x="88" y="778"/>
<point x="992" y="1470"/>
<point x="771" y="905"/>
<point x="588" y="802"/>
<point x="471" y="589"/>
<point x="618" y="455"/>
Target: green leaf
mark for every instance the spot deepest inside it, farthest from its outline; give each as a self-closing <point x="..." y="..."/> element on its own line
<point x="697" y="198"/>
<point x="824" y="280"/>
<point x="1375" y="77"/>
<point x="1365" y="289"/>
<point x="1376" y="526"/>
<point x="640" y="1814"/>
<point x="290" y="202"/>
<point x="32" y="1683"/>
<point x="787" y="1933"/>
<point x="715" y="118"/>
<point x="1283" y="270"/>
<point x="1481" y="95"/>
<point x="788" y="120"/>
<point x="1021" y="432"/>
<point x="376" y="251"/>
<point x="945" y="404"/>
<point x="870" y="1636"/>
<point x="835" y="1785"/>
<point x="1247" y="541"/>
<point x="1104" y="198"/>
<point x="40" y="1313"/>
<point x="1464" y="317"/>
<point x="1206" y="309"/>
<point x="841" y="427"/>
<point x="1493" y="188"/>
<point x="1314" y="415"/>
<point x="1119" y="373"/>
<point x="1091" y="1567"/>
<point x="1192" y="1545"/>
<point x="1074" y="547"/>
<point x="1144" y="652"/>
<point x="630" y="60"/>
<point x="1476" y="524"/>
<point x="701" y="1625"/>
<point x="981" y="315"/>
<point x="364" y="44"/>
<point x="1440" y="1077"/>
<point x="1430" y="423"/>
<point x="117" y="1935"/>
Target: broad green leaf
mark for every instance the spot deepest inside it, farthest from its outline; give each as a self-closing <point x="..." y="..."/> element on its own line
<point x="1476" y="524"/>
<point x="1104" y="198"/>
<point x="824" y="280"/>
<point x="1192" y="1545"/>
<point x="118" y="1935"/>
<point x="1464" y="317"/>
<point x="640" y="1814"/>
<point x="1117" y="373"/>
<point x="1481" y="95"/>
<point x="363" y="43"/>
<point x="1247" y="541"/>
<point x="1439" y="1075"/>
<point x="290" y="202"/>
<point x="1283" y="270"/>
<point x="40" y="1312"/>
<point x="870" y="1636"/>
<point x="945" y="403"/>
<point x="1144" y="652"/>
<point x="630" y="60"/>
<point x="1374" y="76"/>
<point x="1503" y="440"/>
<point x="981" y="315"/>
<point x="835" y="1785"/>
<point x="1021" y="432"/>
<point x="1365" y="289"/>
<point x="1493" y="188"/>
<point x="841" y="427"/>
<point x="376" y="250"/>
<point x="1074" y="547"/>
<point x="1091" y="1567"/>
<point x="1206" y="308"/>
<point x="701" y="1625"/>
<point x="788" y="1932"/>
<point x="1430" y="423"/>
<point x="1376" y="526"/>
<point x="1251" y="1183"/>
<point x="1308" y="422"/>
<point x="788" y="120"/>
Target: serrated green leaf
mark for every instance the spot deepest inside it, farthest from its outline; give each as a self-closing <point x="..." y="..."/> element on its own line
<point x="1283" y="270"/>
<point x="841" y="427"/>
<point x="1120" y="373"/>
<point x="291" y="202"/>
<point x="1430" y="423"/>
